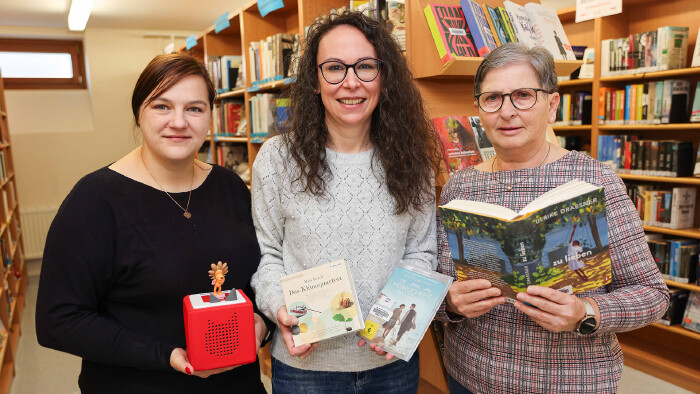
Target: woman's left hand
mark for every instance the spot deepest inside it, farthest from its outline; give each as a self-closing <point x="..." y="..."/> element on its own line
<point x="553" y="310"/>
<point x="376" y="348"/>
<point x="260" y="331"/>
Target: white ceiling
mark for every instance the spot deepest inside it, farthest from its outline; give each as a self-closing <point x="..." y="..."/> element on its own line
<point x="121" y="14"/>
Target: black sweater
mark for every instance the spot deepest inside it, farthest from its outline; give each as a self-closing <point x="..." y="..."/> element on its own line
<point x="119" y="259"/>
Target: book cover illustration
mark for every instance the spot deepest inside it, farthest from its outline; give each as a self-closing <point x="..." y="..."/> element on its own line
<point x="562" y="244"/>
<point x="496" y="24"/>
<point x="522" y="25"/>
<point x="458" y="143"/>
<point x="406" y="306"/>
<point x="324" y="300"/>
<point x="486" y="148"/>
<point x="691" y="317"/>
<point x="550" y="32"/>
<point x="479" y="26"/>
<point x="450" y="32"/>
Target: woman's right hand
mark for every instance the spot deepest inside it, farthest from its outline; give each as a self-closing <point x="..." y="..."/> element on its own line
<point x="180" y="363"/>
<point x="473" y="297"/>
<point x="285" y="322"/>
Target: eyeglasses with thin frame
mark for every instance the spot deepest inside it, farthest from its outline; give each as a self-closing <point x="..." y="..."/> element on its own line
<point x="366" y="70"/>
<point x="524" y="98"/>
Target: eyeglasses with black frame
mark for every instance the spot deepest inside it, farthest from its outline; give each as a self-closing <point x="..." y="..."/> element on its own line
<point x="524" y="98"/>
<point x="366" y="70"/>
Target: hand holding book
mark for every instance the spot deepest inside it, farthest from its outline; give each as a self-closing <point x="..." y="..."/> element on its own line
<point x="473" y="297"/>
<point x="285" y="322"/>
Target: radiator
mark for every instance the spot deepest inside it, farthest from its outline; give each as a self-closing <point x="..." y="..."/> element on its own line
<point x="35" y="226"/>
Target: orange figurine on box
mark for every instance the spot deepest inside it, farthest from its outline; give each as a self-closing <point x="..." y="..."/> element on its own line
<point x="218" y="276"/>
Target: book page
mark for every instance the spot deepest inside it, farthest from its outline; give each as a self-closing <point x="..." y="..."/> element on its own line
<point x="482" y="208"/>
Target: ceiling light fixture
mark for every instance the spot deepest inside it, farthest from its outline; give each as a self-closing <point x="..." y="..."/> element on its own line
<point x="79" y="14"/>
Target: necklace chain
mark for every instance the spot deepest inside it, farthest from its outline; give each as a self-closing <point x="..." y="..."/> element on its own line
<point x="509" y="186"/>
<point x="185" y="210"/>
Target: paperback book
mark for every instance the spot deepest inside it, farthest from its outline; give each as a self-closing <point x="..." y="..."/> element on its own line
<point x="406" y="306"/>
<point x="324" y="300"/>
<point x="691" y="318"/>
<point x="458" y="143"/>
<point x="486" y="148"/>
<point x="449" y="31"/>
<point x="559" y="240"/>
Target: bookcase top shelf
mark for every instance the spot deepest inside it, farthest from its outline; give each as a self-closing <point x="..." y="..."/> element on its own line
<point x="462" y="66"/>
<point x="681" y="72"/>
<point x="576" y="82"/>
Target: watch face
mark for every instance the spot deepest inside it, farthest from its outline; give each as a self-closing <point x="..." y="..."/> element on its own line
<point x="587" y="326"/>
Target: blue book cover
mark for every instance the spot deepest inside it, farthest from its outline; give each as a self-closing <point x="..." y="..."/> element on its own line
<point x="628" y="97"/>
<point x="406" y="306"/>
<point x="479" y="26"/>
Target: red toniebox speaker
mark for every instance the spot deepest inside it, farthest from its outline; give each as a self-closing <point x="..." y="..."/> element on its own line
<point x="219" y="334"/>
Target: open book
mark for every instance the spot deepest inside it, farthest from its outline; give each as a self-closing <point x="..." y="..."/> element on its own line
<point x="559" y="240"/>
<point x="405" y="307"/>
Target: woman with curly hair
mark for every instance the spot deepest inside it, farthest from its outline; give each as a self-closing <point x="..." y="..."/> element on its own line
<point x="353" y="180"/>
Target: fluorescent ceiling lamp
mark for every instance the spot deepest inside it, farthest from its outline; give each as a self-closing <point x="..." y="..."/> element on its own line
<point x="79" y="14"/>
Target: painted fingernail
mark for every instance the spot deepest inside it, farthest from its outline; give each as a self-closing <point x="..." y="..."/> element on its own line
<point x="188" y="370"/>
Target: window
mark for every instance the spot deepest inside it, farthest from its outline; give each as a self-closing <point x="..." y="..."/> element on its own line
<point x="42" y="64"/>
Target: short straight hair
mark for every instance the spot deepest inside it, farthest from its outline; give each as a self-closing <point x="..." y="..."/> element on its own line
<point x="515" y="53"/>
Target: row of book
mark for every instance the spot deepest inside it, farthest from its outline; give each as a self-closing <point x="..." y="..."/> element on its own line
<point x="683" y="308"/>
<point x="475" y="30"/>
<point x="392" y="12"/>
<point x="228" y="118"/>
<point x="663" y="49"/>
<point x="677" y="259"/>
<point x="628" y="154"/>
<point x="669" y="208"/>
<point x="273" y="58"/>
<point x="227" y="72"/>
<point x="3" y="166"/>
<point x="656" y="102"/>
<point x="269" y="116"/>
<point x="574" y="109"/>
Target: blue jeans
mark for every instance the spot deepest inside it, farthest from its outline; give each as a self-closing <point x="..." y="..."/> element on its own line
<point x="399" y="377"/>
<point x="456" y="387"/>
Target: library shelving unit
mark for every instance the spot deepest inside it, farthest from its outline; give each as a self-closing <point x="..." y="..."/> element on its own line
<point x="14" y="271"/>
<point x="670" y="353"/>
<point x="446" y="91"/>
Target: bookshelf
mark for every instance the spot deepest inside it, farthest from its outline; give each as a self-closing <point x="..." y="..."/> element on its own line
<point x="14" y="271"/>
<point x="669" y="353"/>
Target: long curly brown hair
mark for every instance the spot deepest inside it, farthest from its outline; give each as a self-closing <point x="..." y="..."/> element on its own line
<point x="401" y="133"/>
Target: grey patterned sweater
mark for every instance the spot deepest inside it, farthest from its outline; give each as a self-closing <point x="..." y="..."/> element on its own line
<point x="354" y="221"/>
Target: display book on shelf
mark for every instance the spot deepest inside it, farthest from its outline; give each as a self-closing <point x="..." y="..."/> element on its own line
<point x="470" y="29"/>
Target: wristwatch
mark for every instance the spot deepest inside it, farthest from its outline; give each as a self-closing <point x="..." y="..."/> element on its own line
<point x="587" y="324"/>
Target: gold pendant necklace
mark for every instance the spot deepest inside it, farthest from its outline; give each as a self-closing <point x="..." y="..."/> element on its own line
<point x="185" y="210"/>
<point x="509" y="186"/>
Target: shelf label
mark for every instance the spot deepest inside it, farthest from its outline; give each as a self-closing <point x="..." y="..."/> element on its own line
<point x="267" y="6"/>
<point x="591" y="9"/>
<point x="191" y="42"/>
<point x="221" y="23"/>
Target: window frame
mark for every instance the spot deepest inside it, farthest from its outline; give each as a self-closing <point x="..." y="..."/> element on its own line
<point x="72" y="47"/>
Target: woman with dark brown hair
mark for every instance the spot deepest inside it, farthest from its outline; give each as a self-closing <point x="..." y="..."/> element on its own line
<point x="132" y="239"/>
<point x="353" y="179"/>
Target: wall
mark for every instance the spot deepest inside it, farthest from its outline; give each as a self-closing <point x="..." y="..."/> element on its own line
<point x="59" y="136"/>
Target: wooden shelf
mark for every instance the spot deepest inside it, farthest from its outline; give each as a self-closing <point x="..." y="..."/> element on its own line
<point x="642" y="127"/>
<point x="681" y="72"/>
<point x="461" y="66"/>
<point x="585" y="127"/>
<point x="686" y="286"/>
<point x="658" y="360"/>
<point x="232" y="94"/>
<point x="271" y="86"/>
<point x="576" y="82"/>
<point x="688" y="232"/>
<point x="663" y="179"/>
<point x="231" y="139"/>
<point x="678" y="329"/>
